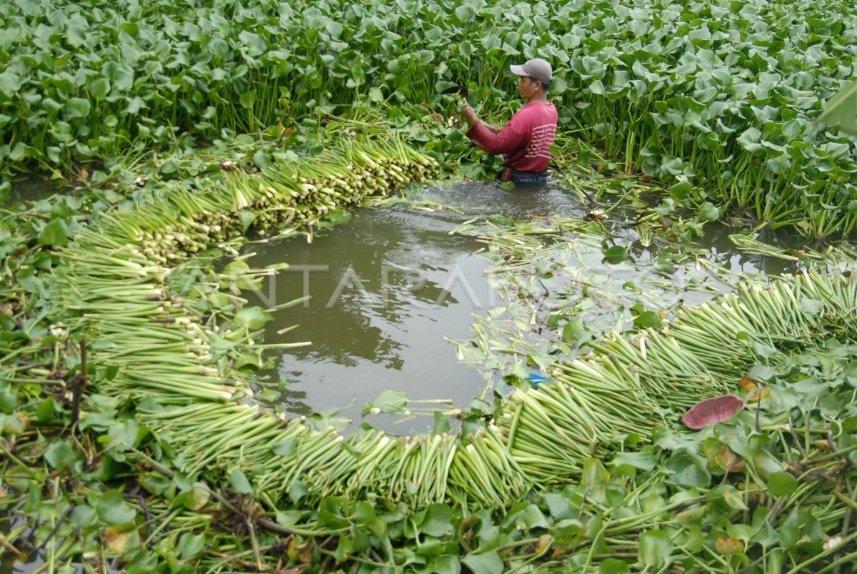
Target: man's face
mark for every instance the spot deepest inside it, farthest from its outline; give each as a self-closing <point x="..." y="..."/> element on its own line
<point x="528" y="87"/>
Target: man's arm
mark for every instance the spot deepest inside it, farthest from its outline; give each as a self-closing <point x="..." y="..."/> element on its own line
<point x="511" y="137"/>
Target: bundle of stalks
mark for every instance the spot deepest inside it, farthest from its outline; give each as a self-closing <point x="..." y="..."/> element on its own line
<point x="159" y="349"/>
<point x="628" y="383"/>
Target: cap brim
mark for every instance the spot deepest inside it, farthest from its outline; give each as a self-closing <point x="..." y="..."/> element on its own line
<point x="518" y="70"/>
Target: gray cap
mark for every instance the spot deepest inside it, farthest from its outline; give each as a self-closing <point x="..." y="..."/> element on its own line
<point x="535" y="68"/>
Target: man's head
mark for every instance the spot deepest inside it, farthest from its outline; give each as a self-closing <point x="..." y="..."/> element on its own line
<point x="537" y="70"/>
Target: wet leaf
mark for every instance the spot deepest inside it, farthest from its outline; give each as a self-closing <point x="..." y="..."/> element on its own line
<point x="113" y="509"/>
<point x="687" y="469"/>
<point x="782" y="484"/>
<point x="239" y="482"/>
<point x="389" y="401"/>
<point x="297" y="490"/>
<point x="594" y="474"/>
<point x="647" y="319"/>
<point x="190" y="545"/>
<point x="437" y="521"/>
<point x="286" y="447"/>
<point x="61" y="455"/>
<point x="54" y="233"/>
<point x="655" y="548"/>
<point x="613" y="566"/>
<point x="645" y="460"/>
<point x="441" y="424"/>
<point x="485" y="563"/>
<point x="574" y="332"/>
<point x="616" y="255"/>
<point x="252" y="317"/>
<point x="709" y="212"/>
<point x="840" y="111"/>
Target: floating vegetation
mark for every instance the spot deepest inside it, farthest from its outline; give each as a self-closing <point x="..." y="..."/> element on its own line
<point x="130" y="437"/>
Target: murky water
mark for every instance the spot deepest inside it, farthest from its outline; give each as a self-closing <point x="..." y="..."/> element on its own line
<point x="387" y="289"/>
<point x="33" y="188"/>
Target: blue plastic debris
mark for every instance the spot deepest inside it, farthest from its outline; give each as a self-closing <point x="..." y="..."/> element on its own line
<point x="536" y="378"/>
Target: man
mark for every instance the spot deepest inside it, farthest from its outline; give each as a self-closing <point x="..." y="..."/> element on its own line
<point x="526" y="138"/>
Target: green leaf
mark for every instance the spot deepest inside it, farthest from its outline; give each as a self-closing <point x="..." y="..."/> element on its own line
<point x="61" y="455"/>
<point x="190" y="545"/>
<point x="10" y="83"/>
<point x="688" y="469"/>
<point x="840" y="111"/>
<point x="8" y="398"/>
<point x="709" y="212"/>
<point x="647" y="319"/>
<point x="99" y="88"/>
<point x="46" y="410"/>
<point x="441" y="424"/>
<point x="391" y="402"/>
<point x="54" y="233"/>
<point x="486" y="563"/>
<point x="616" y="254"/>
<point x="531" y="517"/>
<point x="286" y="447"/>
<point x="247" y="99"/>
<point x="782" y="484"/>
<point x="437" y="521"/>
<point x="645" y="461"/>
<point x="558" y="506"/>
<point x="681" y="190"/>
<point x="124" y="434"/>
<point x="113" y="509"/>
<point x="557" y="86"/>
<point x="297" y="491"/>
<point x="574" y="332"/>
<point x="239" y="481"/>
<point x="446" y="564"/>
<point x="121" y="75"/>
<point x="613" y="566"/>
<point x="594" y="474"/>
<point x="252" y="317"/>
<point x="78" y="107"/>
<point x="655" y="548"/>
<point x="810" y="307"/>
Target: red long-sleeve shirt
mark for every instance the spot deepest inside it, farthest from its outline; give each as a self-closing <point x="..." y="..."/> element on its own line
<point x="524" y="141"/>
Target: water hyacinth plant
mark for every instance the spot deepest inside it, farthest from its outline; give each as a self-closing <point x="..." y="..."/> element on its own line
<point x="718" y="96"/>
<point x="130" y="434"/>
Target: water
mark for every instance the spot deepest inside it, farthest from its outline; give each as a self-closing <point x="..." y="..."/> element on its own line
<point x="387" y="290"/>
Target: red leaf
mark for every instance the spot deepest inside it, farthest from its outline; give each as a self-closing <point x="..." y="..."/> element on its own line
<point x="712" y="411"/>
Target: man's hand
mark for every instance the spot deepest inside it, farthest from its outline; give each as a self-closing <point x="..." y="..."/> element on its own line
<point x="468" y="114"/>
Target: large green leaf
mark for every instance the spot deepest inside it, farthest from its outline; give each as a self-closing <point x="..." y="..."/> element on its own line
<point x="486" y="563"/>
<point x="841" y="110"/>
<point x="113" y="509"/>
<point x="54" y="233"/>
<point x="655" y="548"/>
<point x="437" y="520"/>
<point x="252" y="317"/>
<point x="99" y="88"/>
